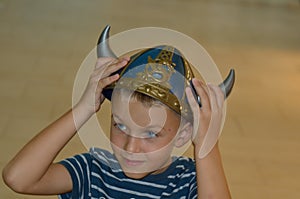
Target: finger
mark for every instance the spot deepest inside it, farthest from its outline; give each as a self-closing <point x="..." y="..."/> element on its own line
<point x="202" y="92"/>
<point x="204" y="86"/>
<point x="109" y="69"/>
<point x="116" y="66"/>
<point x="212" y="97"/>
<point x="106" y="81"/>
<point x="195" y="110"/>
<point x="102" y="61"/>
<point x="220" y="97"/>
<point x="191" y="99"/>
<point x="126" y="58"/>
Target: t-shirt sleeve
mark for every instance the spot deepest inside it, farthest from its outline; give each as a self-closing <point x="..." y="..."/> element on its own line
<point x="79" y="169"/>
<point x="193" y="188"/>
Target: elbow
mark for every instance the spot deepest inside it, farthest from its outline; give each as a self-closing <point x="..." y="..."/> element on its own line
<point x="13" y="181"/>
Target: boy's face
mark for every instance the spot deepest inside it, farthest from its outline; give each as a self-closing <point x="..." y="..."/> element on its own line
<point x="142" y="136"/>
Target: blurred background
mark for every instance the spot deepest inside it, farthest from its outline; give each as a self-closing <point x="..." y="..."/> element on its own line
<point x="42" y="44"/>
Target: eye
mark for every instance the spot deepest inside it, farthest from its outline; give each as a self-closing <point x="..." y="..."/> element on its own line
<point x="151" y="134"/>
<point x="121" y="127"/>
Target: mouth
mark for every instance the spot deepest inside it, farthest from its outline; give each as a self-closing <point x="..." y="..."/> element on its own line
<point x="132" y="162"/>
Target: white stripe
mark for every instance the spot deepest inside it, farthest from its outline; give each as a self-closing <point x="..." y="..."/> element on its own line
<point x="191" y="192"/>
<point x="100" y="190"/>
<point x="186" y="175"/>
<point x="195" y="196"/>
<point x="121" y="189"/>
<point x="110" y="159"/>
<point x="180" y="167"/>
<point x="77" y="175"/>
<point x="135" y="181"/>
<point x="127" y="179"/>
<point x="172" y="185"/>
<point x="126" y="191"/>
<point x="100" y="154"/>
<point x="81" y="170"/>
<point x="193" y="187"/>
<point x="113" y="170"/>
<point x="100" y="158"/>
<point x="176" y="190"/>
<point x="184" y="158"/>
<point x="87" y="172"/>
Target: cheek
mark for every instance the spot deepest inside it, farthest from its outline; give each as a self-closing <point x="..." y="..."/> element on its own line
<point x="159" y="156"/>
<point x="117" y="137"/>
<point x="165" y="140"/>
<point x="159" y="146"/>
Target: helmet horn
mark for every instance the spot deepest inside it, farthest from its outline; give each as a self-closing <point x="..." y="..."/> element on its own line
<point x="103" y="48"/>
<point x="228" y="83"/>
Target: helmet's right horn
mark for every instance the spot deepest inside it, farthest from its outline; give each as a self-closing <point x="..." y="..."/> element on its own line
<point x="228" y="83"/>
<point x="103" y="48"/>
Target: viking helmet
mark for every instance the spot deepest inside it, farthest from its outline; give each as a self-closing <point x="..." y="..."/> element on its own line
<point x="160" y="72"/>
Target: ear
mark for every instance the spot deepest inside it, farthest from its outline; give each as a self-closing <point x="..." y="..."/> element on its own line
<point x="184" y="135"/>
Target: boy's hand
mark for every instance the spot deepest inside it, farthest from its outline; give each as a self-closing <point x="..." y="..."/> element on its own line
<point x="208" y="118"/>
<point x="101" y="77"/>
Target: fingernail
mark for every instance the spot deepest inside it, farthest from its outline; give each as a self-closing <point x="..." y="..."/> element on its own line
<point x="126" y="58"/>
<point x="115" y="76"/>
<point x="210" y="85"/>
<point x="195" y="82"/>
<point x="188" y="90"/>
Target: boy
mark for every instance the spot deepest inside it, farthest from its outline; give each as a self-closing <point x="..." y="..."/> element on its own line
<point x="148" y="120"/>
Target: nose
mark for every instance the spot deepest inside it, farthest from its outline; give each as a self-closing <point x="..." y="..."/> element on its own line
<point x="132" y="144"/>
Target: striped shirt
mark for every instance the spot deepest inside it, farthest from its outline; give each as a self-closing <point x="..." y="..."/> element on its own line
<point x="97" y="174"/>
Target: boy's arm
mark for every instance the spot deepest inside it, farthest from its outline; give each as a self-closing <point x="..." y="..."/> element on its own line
<point x="32" y="170"/>
<point x="211" y="180"/>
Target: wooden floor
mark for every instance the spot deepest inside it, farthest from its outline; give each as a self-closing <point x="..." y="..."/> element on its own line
<point x="42" y="44"/>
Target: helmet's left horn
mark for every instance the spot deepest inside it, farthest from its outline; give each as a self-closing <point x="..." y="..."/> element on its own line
<point x="103" y="48"/>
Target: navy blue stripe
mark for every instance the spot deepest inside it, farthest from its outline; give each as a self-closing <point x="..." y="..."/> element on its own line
<point x="93" y="176"/>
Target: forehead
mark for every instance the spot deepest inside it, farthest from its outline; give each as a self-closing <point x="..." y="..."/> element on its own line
<point x="131" y="108"/>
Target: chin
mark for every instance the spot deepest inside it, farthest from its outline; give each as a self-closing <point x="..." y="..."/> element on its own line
<point x="142" y="173"/>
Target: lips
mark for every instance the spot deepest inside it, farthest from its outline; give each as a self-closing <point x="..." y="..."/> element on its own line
<point x="132" y="162"/>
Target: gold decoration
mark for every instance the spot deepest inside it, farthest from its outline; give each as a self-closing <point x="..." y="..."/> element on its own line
<point x="154" y="81"/>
